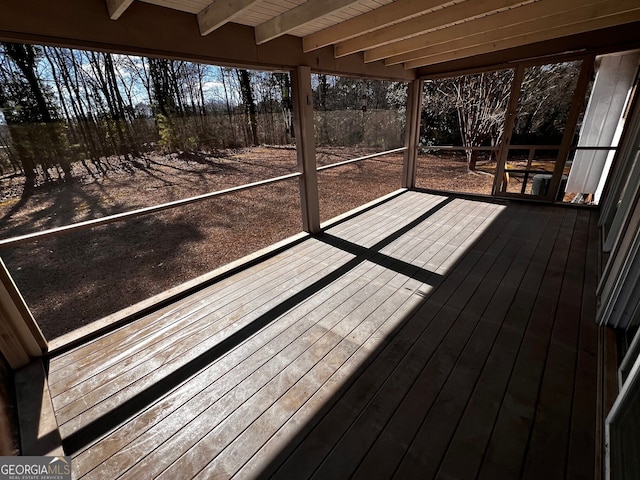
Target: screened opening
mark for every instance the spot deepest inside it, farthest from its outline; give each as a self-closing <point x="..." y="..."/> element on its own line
<point x="87" y="134"/>
<point x="357" y="119"/>
<point x="462" y="126"/>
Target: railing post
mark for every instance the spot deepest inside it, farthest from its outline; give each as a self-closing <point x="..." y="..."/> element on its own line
<point x="412" y="134"/>
<point x="20" y="337"/>
<point x="306" y="148"/>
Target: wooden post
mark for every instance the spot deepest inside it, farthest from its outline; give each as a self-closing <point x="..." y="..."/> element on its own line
<point x="579" y="96"/>
<point x="306" y="148"/>
<point x="509" y="123"/>
<point x="20" y="337"/>
<point x="412" y="134"/>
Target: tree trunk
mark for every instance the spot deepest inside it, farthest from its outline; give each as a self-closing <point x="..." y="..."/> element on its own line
<point x="249" y="104"/>
<point x="24" y="57"/>
<point x="228" y="105"/>
<point x="472" y="159"/>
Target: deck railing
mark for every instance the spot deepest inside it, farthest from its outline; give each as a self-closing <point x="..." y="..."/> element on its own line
<point x="532" y="149"/>
<point x="358" y="159"/>
<point x="22" y="239"/>
<point x="11" y="242"/>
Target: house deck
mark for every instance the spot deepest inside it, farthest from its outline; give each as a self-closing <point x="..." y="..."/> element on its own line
<point x="429" y="336"/>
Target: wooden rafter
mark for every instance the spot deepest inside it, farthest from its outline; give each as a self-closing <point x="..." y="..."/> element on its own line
<point x="375" y="19"/>
<point x="117" y="7"/>
<point x="421" y="45"/>
<point x="221" y="12"/>
<point x="298" y="16"/>
<point x="448" y="16"/>
<point x="542" y="30"/>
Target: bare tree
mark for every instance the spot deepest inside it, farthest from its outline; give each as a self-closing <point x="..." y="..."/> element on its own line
<point x="480" y="105"/>
<point x="249" y="104"/>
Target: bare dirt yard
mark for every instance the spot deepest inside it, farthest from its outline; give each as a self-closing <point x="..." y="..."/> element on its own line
<point x="75" y="278"/>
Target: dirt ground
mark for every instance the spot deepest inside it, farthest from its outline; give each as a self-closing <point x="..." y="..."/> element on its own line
<point x="73" y="279"/>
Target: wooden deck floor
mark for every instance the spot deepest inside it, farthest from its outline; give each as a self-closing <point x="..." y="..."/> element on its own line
<point x="429" y="337"/>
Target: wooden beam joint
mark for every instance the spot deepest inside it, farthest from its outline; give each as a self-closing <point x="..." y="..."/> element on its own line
<point x="117" y="7"/>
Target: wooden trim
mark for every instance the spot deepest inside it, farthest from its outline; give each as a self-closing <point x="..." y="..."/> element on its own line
<point x="10" y="242"/>
<point x="220" y="12"/>
<point x="370" y="21"/>
<point x="578" y="99"/>
<point x="117" y="7"/>
<point x="412" y="134"/>
<point x="10" y="346"/>
<point x="306" y="148"/>
<point x="460" y="147"/>
<point x="465" y="11"/>
<point x="296" y="17"/>
<point x="20" y="337"/>
<point x="358" y="159"/>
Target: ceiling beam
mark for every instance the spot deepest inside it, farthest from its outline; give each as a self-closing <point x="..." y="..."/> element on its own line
<point x="307" y="12"/>
<point x="170" y="33"/>
<point x="447" y="16"/>
<point x="418" y="47"/>
<point x="367" y="22"/>
<point x="604" y="41"/>
<point x="117" y="7"/>
<point x="525" y="38"/>
<point x="221" y="12"/>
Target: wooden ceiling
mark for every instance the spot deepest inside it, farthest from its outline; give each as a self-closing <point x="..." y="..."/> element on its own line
<point x="395" y="40"/>
<point x="411" y="33"/>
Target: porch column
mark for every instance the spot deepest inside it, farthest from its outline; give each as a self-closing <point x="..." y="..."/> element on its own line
<point x="20" y="337"/>
<point x="306" y="148"/>
<point x="412" y="134"/>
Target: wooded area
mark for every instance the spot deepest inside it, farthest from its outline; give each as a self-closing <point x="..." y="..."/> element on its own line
<point x="470" y="110"/>
<point x="61" y="106"/>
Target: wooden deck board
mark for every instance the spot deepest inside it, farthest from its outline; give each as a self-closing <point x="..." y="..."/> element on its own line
<point x="549" y="437"/>
<point x="342" y="355"/>
<point x="581" y="436"/>
<point x="177" y="352"/>
<point x="446" y="399"/>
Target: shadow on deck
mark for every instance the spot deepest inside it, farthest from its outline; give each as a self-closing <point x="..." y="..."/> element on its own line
<point x="427" y="337"/>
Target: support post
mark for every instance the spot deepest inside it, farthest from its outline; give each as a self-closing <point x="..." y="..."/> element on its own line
<point x="20" y="337"/>
<point x="579" y="97"/>
<point x="412" y="134"/>
<point x="306" y="148"/>
<point x="509" y="123"/>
